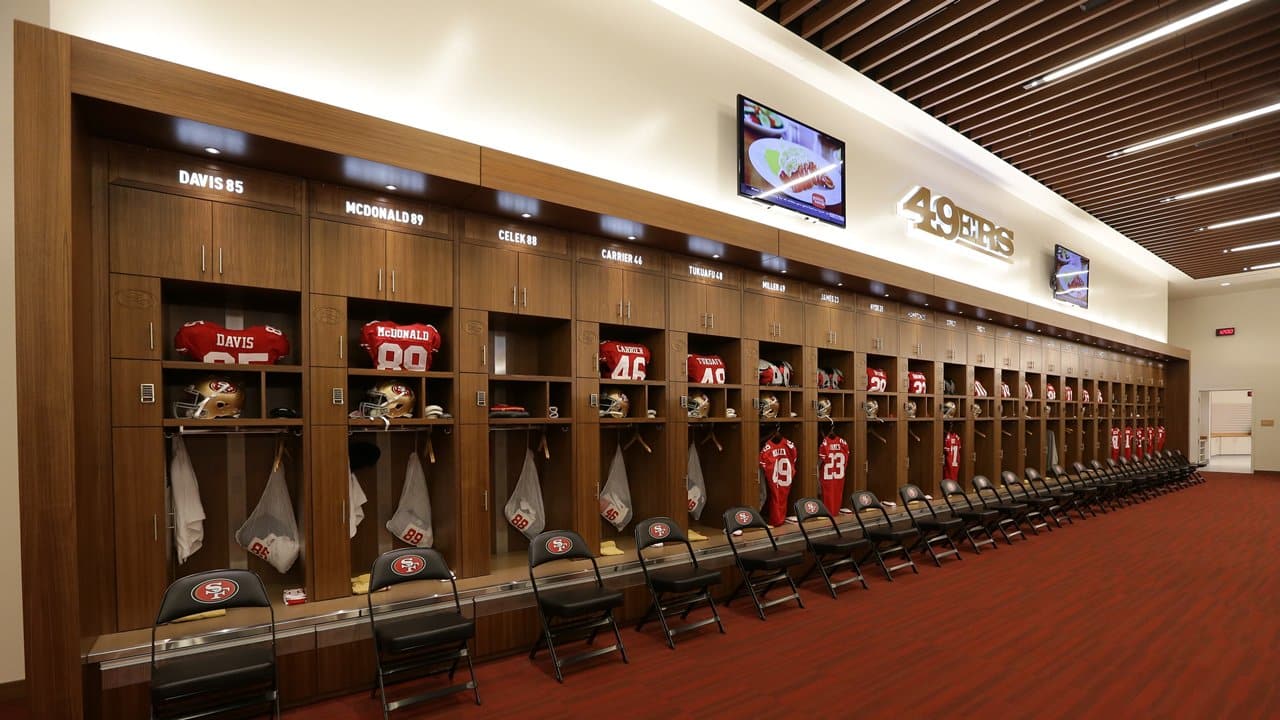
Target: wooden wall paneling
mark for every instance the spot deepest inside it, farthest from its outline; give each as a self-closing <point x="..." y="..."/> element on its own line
<point x="136" y="327"/>
<point x="330" y="546"/>
<point x="152" y="169"/>
<point x="1177" y="403"/>
<point x="347" y="259"/>
<point x="258" y="248"/>
<point x="586" y="344"/>
<point x="807" y="250"/>
<point x="470" y="386"/>
<point x="335" y="670"/>
<point x="141" y="572"/>
<point x="127" y="378"/>
<point x="473" y="342"/>
<point x="476" y="505"/>
<point x="420" y="269"/>
<point x="323" y="410"/>
<point x="162" y="235"/>
<point x="328" y="344"/>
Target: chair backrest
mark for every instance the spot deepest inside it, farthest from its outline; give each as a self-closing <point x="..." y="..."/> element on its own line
<point x="658" y="530"/>
<point x="410" y="565"/>
<point x="745" y="518"/>
<point x="912" y="493"/>
<point x="1010" y="481"/>
<point x="555" y="545"/>
<point x="1057" y="470"/>
<point x="1078" y="467"/>
<point x="866" y="500"/>
<point x="212" y="590"/>
<point x="951" y="488"/>
<point x="1031" y="474"/>
<point x="980" y="484"/>
<point x="814" y="509"/>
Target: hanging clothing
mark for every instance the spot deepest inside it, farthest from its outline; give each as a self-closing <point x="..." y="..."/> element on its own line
<point x="695" y="484"/>
<point x="188" y="512"/>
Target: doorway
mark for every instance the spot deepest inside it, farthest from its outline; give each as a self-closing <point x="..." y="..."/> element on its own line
<point x="1226" y="430"/>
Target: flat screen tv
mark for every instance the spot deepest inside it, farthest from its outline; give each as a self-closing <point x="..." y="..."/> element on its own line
<point x="783" y="162"/>
<point x="1070" y="279"/>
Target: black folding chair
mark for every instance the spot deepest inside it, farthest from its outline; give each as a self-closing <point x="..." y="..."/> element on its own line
<point x="1011" y="514"/>
<point x="885" y="540"/>
<point x="830" y="552"/>
<point x="1036" y="505"/>
<point x="1059" y="500"/>
<point x="1106" y="474"/>
<point x="976" y="520"/>
<point x="761" y="569"/>
<point x="679" y="588"/>
<point x="931" y="530"/>
<point x="213" y="681"/>
<point x="581" y="610"/>
<point x="1068" y="497"/>
<point x="418" y="646"/>
<point x="1093" y="491"/>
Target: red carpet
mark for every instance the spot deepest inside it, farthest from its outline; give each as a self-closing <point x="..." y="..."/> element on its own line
<point x="1162" y="610"/>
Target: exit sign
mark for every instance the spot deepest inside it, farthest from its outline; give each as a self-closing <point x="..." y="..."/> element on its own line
<point x="1225" y="332"/>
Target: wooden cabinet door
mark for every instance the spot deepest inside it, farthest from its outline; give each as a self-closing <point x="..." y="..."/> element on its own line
<point x="488" y="278"/>
<point x="601" y="294"/>
<point x="951" y="346"/>
<point x="419" y="269"/>
<point x="135" y="317"/>
<point x="330" y="547"/>
<point x="1070" y="363"/>
<point x="757" y="317"/>
<point x="1052" y="359"/>
<point x="916" y="340"/>
<point x="329" y="342"/>
<point x="347" y="259"/>
<point x="1031" y="356"/>
<point x="877" y="334"/>
<point x="128" y="408"/>
<point x="688" y="306"/>
<point x="473" y="341"/>
<point x="138" y="467"/>
<point x="546" y="286"/>
<point x="1007" y="356"/>
<point x="820" y="325"/>
<point x="788" y="316"/>
<point x="160" y="235"/>
<point x="981" y="349"/>
<point x="646" y="299"/>
<point x="256" y="247"/>
<point x="476" y="501"/>
<point x="724" y="310"/>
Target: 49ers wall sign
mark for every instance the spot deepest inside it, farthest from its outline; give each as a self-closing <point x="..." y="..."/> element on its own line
<point x="939" y="216"/>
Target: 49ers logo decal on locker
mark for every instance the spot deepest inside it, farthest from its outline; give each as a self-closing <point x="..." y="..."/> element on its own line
<point x="215" y="591"/>
<point x="407" y="565"/>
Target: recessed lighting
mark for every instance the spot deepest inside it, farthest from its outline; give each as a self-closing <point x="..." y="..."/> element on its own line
<point x="631" y="237"/>
<point x="1254" y="246"/>
<point x="1223" y="284"/>
<point x="213" y="151"/>
<point x="1143" y="39"/>
<point x="784" y="272"/>
<point x="715" y="256"/>
<point x="1242" y="221"/>
<point x="1197" y="130"/>
<point x="1224" y="186"/>
<point x="391" y="187"/>
<point x="839" y="284"/>
<point x="1263" y="266"/>
<point x="525" y="215"/>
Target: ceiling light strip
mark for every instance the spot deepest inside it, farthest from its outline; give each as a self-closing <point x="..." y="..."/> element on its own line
<point x="1197" y="130"/>
<point x="1144" y="39"/>
<point x="1241" y="221"/>
<point x="1255" y="246"/>
<point x="1265" y="177"/>
<point x="1263" y="266"/>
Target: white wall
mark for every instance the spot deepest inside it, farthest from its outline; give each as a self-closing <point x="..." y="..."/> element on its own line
<point x="632" y="91"/>
<point x="1245" y="361"/>
<point x="11" y="660"/>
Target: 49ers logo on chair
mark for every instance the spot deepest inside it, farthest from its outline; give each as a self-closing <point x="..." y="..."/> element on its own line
<point x="658" y="531"/>
<point x="743" y="517"/>
<point x="214" y="591"/>
<point x="811" y="507"/>
<point x="408" y="565"/>
<point x="559" y="545"/>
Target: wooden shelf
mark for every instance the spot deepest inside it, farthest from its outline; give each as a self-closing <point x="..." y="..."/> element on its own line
<point x="632" y="421"/>
<point x="714" y="420"/>
<point x="629" y="383"/>
<point x="713" y="386"/>
<point x="531" y="378"/>
<point x="226" y="367"/>
<point x="396" y="422"/>
<point x="530" y="421"/>
<point x="232" y="422"/>
<point x="828" y="391"/>
<point x="368" y="372"/>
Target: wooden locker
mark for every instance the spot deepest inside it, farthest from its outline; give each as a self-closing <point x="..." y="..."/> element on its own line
<point x="347" y="259"/>
<point x="600" y="293"/>
<point x="477" y="506"/>
<point x="138" y="469"/>
<point x="136" y="327"/>
<point x="160" y="235"/>
<point x="724" y="310"/>
<point x="473" y="341"/>
<point x="758" y="320"/>
<point x="256" y="247"/>
<point x="419" y="269"/>
<point x="1031" y="355"/>
<point x="324" y="411"/>
<point x="916" y="340"/>
<point x="470" y="385"/>
<point x="488" y="278"/>
<point x="877" y="334"/>
<point x="127" y="380"/>
<point x="330" y="546"/>
<point x="788" y="315"/>
<point x="981" y="350"/>
<point x="688" y="306"/>
<point x="951" y="346"/>
<point x="1007" y="355"/>
<point x="1051" y="356"/>
<point x="329" y="342"/>
<point x="546" y="286"/>
<point x="646" y="299"/>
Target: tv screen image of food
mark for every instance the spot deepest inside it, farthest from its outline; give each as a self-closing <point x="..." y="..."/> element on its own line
<point x="789" y="164"/>
<point x="1070" y="279"/>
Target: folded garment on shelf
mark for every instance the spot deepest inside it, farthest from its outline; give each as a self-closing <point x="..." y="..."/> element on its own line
<point x="501" y="410"/>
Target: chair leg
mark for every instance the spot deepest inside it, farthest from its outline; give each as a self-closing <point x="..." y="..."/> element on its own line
<point x="617" y="636"/>
<point x="715" y="612"/>
<point x="475" y="684"/>
<point x="826" y="577"/>
<point x="751" y="588"/>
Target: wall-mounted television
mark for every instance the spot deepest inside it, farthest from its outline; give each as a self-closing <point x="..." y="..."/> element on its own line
<point x="1070" y="279"/>
<point x="783" y="162"/>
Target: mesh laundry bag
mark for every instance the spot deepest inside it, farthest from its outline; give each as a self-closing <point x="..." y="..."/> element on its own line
<point x="188" y="512"/>
<point x="695" y="484"/>
<point x="271" y="530"/>
<point x="615" y="496"/>
<point x="524" y="510"/>
<point x="356" y="501"/>
<point x="412" y="519"/>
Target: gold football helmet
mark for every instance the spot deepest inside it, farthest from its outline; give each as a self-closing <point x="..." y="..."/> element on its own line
<point x="871" y="407"/>
<point x="824" y="409"/>
<point x="614" y="404"/>
<point x="212" y="397"/>
<point x="699" y="406"/>
<point x="769" y="406"/>
<point x="909" y="408"/>
<point x="388" y="399"/>
<point x="949" y="409"/>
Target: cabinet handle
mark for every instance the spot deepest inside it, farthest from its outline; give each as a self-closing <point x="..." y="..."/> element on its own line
<point x="484" y="356"/>
<point x="151" y="336"/>
<point x="341" y="348"/>
<point x="393" y="282"/>
<point x="524" y="297"/>
<point x="202" y="263"/>
<point x="342" y="519"/>
<point x="514" y="300"/>
<point x="155" y="527"/>
<point x="379" y="279"/>
<point x="620" y="309"/>
<point x="219" y="261"/>
<point x="486" y="501"/>
<point x="628" y="309"/>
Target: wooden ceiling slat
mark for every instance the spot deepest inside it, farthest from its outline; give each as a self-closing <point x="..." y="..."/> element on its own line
<point x="762" y="5"/>
<point x="1082" y="117"/>
<point x="854" y="22"/>
<point x="819" y="18"/>
<point x="887" y="27"/>
<point x="991" y="16"/>
<point x="1218" y="240"/>
<point x="1116" y="207"/>
<point x="955" y="13"/>
<point x="1189" y="221"/>
<point x="1025" y="31"/>
<point x="1197" y="43"/>
<point x="793" y="9"/>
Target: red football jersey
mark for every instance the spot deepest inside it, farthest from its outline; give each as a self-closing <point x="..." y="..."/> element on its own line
<point x="917" y="383"/>
<point x="623" y="361"/>
<point x="1115" y="443"/>
<point x="1049" y="392"/>
<point x="211" y="343"/>
<point x="1068" y="393"/>
<point x="778" y="461"/>
<point x="833" y="464"/>
<point x="1151" y="439"/>
<point x="400" y="347"/>
<point x="1139" y="442"/>
<point x="951" y="457"/>
<point x="1128" y="443"/>
<point x="706" y="369"/>
<point x="978" y="390"/>
<point x="1160" y="438"/>
<point x="877" y="381"/>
